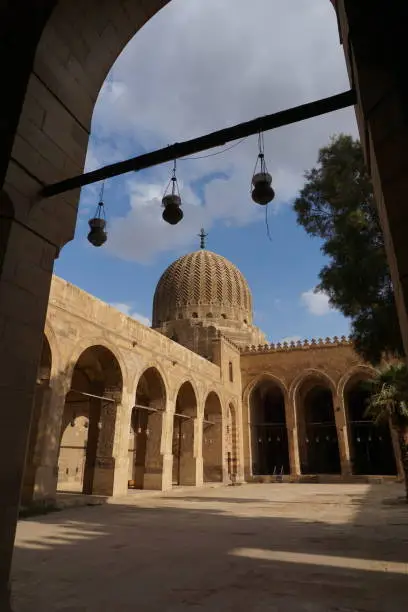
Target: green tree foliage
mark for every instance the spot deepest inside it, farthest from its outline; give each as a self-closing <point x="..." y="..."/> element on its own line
<point x="337" y="205"/>
<point x="389" y="402"/>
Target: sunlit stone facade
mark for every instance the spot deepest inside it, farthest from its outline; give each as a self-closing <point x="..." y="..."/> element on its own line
<point x="200" y="398"/>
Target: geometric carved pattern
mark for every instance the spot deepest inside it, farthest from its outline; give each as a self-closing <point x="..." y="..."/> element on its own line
<point x="201" y="278"/>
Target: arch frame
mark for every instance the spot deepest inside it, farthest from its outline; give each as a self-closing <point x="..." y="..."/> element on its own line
<point x="262" y="376"/>
<point x="93" y="342"/>
<point x="218" y="396"/>
<point x="53" y="342"/>
<point x="155" y="366"/>
<point x="311" y="373"/>
<point x="177" y="387"/>
<point x="323" y="378"/>
<point x="365" y="371"/>
<point x="267" y="376"/>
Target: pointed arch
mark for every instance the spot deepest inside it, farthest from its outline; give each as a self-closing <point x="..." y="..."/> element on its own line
<point x="86" y="461"/>
<point x="312" y="374"/>
<point x="97" y="341"/>
<point x="314" y="394"/>
<point x="371" y="447"/>
<point x="184" y="435"/>
<point x="146" y="431"/>
<point x="212" y="449"/>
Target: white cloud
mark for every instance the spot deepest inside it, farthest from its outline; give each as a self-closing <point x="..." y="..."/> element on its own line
<point x="290" y="339"/>
<point x="316" y="302"/>
<point x="127" y="309"/>
<point x="194" y="83"/>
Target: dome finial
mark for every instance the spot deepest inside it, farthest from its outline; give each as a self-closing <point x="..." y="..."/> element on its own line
<point x="202" y="235"/>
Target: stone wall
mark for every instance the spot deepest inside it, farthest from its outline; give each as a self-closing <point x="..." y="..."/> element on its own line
<point x="330" y="363"/>
<point x="78" y="323"/>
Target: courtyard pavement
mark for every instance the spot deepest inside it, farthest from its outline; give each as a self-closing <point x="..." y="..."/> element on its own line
<point x="251" y="548"/>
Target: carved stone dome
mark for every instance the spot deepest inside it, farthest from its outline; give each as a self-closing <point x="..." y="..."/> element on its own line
<point x="202" y="285"/>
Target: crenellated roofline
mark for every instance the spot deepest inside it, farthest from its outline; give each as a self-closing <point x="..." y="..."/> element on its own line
<point x="300" y="345"/>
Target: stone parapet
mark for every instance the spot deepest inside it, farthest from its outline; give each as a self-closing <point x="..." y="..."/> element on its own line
<point x="299" y="345"/>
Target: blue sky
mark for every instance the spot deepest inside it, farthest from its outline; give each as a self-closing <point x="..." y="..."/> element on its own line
<point x="209" y="71"/>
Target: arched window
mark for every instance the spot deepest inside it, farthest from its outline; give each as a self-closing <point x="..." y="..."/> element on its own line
<point x="231" y="372"/>
<point x="194" y="315"/>
<point x="223" y="316"/>
<point x="209" y="315"/>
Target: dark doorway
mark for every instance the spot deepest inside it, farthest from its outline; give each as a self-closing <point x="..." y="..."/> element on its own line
<point x="322" y="446"/>
<point x="270" y="451"/>
<point x="370" y="445"/>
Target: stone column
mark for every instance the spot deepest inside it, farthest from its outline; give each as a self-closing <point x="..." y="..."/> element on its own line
<point x="293" y="438"/>
<point x="198" y="451"/>
<point x="239" y="441"/>
<point x="166" y="448"/>
<point x="226" y="445"/>
<point x="26" y="264"/>
<point x="121" y="444"/>
<point x="342" y="435"/>
<point x="42" y="466"/>
<point x="95" y="411"/>
<point x="41" y="399"/>
<point x="105" y="462"/>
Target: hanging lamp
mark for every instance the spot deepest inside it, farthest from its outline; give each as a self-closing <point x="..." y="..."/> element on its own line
<point x="262" y="192"/>
<point x="171" y="202"/>
<point x="97" y="236"/>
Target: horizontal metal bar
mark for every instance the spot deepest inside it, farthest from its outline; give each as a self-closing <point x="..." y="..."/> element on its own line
<point x="183" y="416"/>
<point x="177" y="414"/>
<point x="149" y="408"/>
<point x="105" y="399"/>
<point x="203" y="143"/>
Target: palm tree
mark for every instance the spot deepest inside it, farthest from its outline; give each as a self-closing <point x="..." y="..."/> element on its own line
<point x="389" y="403"/>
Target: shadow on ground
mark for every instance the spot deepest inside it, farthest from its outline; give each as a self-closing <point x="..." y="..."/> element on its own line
<point x="283" y="547"/>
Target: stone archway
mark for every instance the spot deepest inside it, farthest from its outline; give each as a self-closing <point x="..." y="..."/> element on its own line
<point x="59" y="89"/>
<point x="371" y="448"/>
<point x="184" y="435"/>
<point x="86" y="463"/>
<point x="268" y="431"/>
<point x="213" y="465"/>
<point x="318" y="439"/>
<point x="145" y="435"/>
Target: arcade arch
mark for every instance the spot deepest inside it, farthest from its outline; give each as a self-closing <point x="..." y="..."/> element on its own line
<point x="86" y="462"/>
<point x="212" y="439"/>
<point x="268" y="431"/>
<point x="145" y="435"/>
<point x="371" y="448"/>
<point x="318" y="440"/>
<point x="184" y="436"/>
